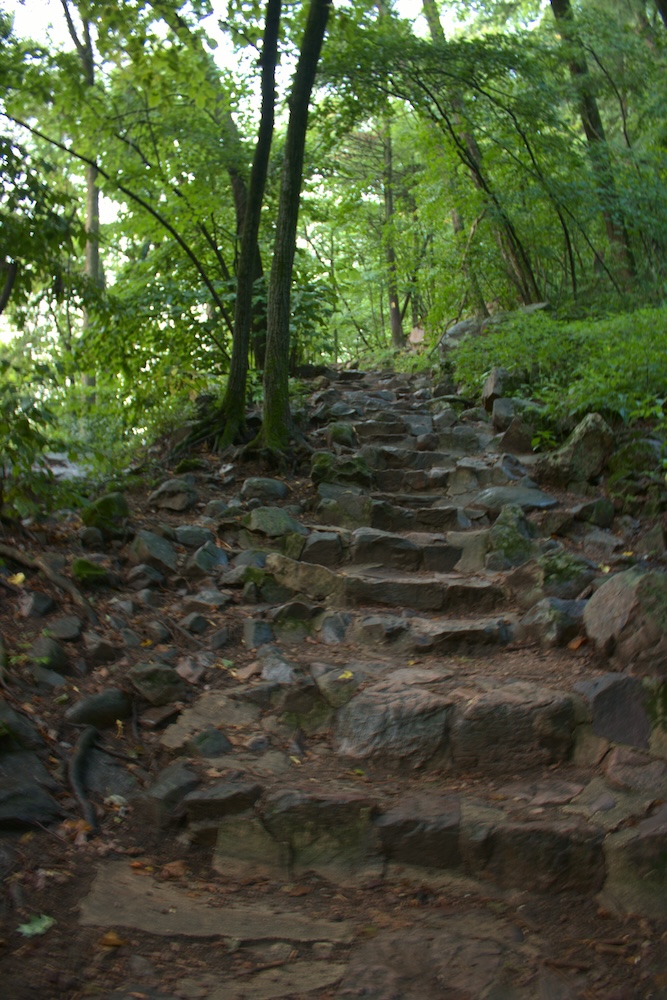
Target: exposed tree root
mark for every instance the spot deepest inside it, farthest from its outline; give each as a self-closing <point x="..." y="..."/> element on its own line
<point x="76" y="771"/>
<point x="36" y="562"/>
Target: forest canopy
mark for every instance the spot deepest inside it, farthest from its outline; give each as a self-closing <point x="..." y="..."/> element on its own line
<point x="201" y="197"/>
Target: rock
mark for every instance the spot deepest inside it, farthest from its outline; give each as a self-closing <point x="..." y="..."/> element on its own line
<point x="502" y="414"/>
<point x="277" y="668"/>
<point x="422" y="830"/>
<point x="35" y="604"/>
<point x="157" y="806"/>
<point x="157" y="552"/>
<point x="564" y="574"/>
<point x="547" y="855"/>
<point x="207" y="601"/>
<point x="192" y="536"/>
<point x="98" y="649"/>
<point x="583" y="456"/>
<point x="511" y="539"/>
<point x="526" y="720"/>
<point x="636" y="874"/>
<point x="109" y="514"/>
<point x="91" y="538"/>
<point x="526" y="497"/>
<point x="518" y="438"/>
<point x="25" y="785"/>
<point x="626" y="618"/>
<point x="552" y="622"/>
<point x="195" y="623"/>
<point x="403" y="723"/>
<point x="495" y="386"/>
<point x="89" y="574"/>
<point x="143" y="576"/>
<point x="68" y="628"/>
<point x="210" y="742"/>
<point x="101" y="710"/>
<point x="16" y="731"/>
<point x="48" y="653"/>
<point x="337" y="686"/>
<point x="223" y="798"/>
<point x="273" y="522"/>
<point x="264" y="489"/>
<point x="618" y="705"/>
<point x="324" y="548"/>
<point x="157" y="683"/>
<point x="332" y="627"/>
<point x="327" y="468"/>
<point x="256" y="633"/>
<point x="372" y="546"/>
<point x="174" y="494"/>
<point x="599" y="512"/>
<point x="208" y="559"/>
<point x="328" y="832"/>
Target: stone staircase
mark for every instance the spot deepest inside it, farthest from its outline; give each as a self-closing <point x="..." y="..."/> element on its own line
<point x="409" y="714"/>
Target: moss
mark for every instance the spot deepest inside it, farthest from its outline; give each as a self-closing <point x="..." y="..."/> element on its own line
<point x="86" y="572"/>
<point x="561" y="566"/>
<point x="656" y="705"/>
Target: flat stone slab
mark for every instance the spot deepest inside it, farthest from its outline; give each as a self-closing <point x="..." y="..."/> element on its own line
<point x="288" y="980"/>
<point x="120" y="897"/>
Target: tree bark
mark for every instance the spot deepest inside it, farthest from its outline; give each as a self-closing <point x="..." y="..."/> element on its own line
<point x="277" y="420"/>
<point x="518" y="267"/>
<point x="11" y="269"/>
<point x="233" y="405"/>
<point x="595" y="136"/>
<point x="395" y="317"/>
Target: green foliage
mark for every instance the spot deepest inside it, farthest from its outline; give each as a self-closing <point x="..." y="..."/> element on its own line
<point x="25" y="424"/>
<point x="616" y="365"/>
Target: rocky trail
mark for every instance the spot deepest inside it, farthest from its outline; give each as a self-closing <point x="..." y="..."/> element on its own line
<point x="393" y="727"/>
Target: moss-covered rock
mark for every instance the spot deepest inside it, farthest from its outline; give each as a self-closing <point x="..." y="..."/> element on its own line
<point x="108" y="514"/>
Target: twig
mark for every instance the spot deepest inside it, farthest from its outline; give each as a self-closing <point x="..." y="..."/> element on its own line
<point x="60" y="581"/>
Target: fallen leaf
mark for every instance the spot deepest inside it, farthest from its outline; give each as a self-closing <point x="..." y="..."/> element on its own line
<point x="17" y="579"/>
<point x="580" y="640"/>
<point x="111" y="940"/>
<point x="174" y="869"/>
<point x="36" y="926"/>
<point x="146" y="642"/>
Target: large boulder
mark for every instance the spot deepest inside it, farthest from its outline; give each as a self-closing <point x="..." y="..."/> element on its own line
<point x="626" y="618"/>
<point x="582" y="457"/>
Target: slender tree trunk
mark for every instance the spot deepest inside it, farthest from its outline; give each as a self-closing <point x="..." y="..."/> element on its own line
<point x="277" y="422"/>
<point x="395" y="318"/>
<point x="11" y="269"/>
<point x="233" y="405"/>
<point x="595" y="136"/>
<point x="518" y="267"/>
<point x="662" y="10"/>
<point x="92" y="268"/>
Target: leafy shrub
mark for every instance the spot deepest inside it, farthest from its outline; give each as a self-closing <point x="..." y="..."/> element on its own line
<point x="25" y="421"/>
<point x="616" y="365"/>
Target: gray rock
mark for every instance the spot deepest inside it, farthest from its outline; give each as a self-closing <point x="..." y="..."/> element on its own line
<point x="273" y="522"/>
<point x="502" y="414"/>
<point x="393" y="722"/>
<point x="495" y="386"/>
<point x="529" y="498"/>
<point x="207" y="601"/>
<point x="552" y="622"/>
<point x="156" y="682"/>
<point x="619" y="708"/>
<point x="582" y="457"/>
<point x="422" y="830"/>
<point x="500" y="729"/>
<point x="147" y="547"/>
<point x="223" y="798"/>
<point x="91" y="538"/>
<point x="68" y="628"/>
<point x="174" y="494"/>
<point x="195" y="623"/>
<point x="256" y="633"/>
<point x="210" y="742"/>
<point x="511" y="539"/>
<point x="277" y="668"/>
<point x="109" y="514"/>
<point x="264" y="489"/>
<point x="48" y="653"/>
<point x="518" y="438"/>
<point x="158" y="805"/>
<point x="35" y="604"/>
<point x="324" y="548"/>
<point x="16" y="731"/>
<point x="332" y="627"/>
<point x="192" y="536"/>
<point x="209" y="558"/>
<point x="626" y="618"/>
<point x="636" y="874"/>
<point x="98" y="649"/>
<point x="372" y="546"/>
<point x="24" y="791"/>
<point x="101" y="709"/>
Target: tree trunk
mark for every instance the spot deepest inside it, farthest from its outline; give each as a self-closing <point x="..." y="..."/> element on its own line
<point x="595" y="137"/>
<point x="233" y="405"/>
<point x="277" y="419"/>
<point x="662" y="10"/>
<point x="395" y="318"/>
<point x="518" y="267"/>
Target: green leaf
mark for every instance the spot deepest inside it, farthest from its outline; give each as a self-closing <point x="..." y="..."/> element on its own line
<point x="36" y="926"/>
